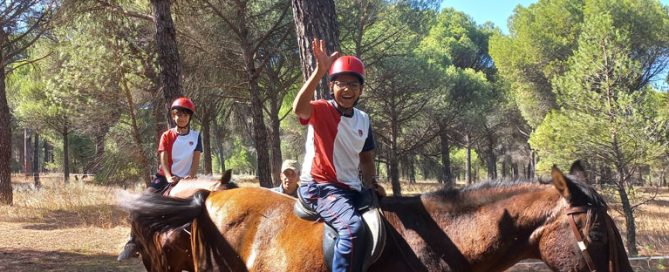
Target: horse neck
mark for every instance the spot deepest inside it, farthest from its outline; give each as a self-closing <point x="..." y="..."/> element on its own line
<point x="458" y="231"/>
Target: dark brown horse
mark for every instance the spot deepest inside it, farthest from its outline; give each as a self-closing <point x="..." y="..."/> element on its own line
<point x="170" y="250"/>
<point x="486" y="227"/>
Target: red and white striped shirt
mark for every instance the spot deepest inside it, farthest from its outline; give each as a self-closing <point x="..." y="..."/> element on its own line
<point x="180" y="150"/>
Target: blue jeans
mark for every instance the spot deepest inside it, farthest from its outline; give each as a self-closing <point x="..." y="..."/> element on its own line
<point x="336" y="206"/>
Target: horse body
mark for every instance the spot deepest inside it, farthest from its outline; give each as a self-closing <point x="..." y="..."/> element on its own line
<point x="424" y="235"/>
<point x="487" y="227"/>
<point x="170" y="249"/>
<point x="479" y="230"/>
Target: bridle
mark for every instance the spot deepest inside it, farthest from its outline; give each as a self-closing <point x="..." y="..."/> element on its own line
<point x="582" y="243"/>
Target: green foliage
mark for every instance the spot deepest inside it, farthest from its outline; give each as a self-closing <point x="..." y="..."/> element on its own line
<point x="542" y="37"/>
<point x="458" y="157"/>
<point x="455" y="39"/>
<point x="241" y="159"/>
<point x="603" y="117"/>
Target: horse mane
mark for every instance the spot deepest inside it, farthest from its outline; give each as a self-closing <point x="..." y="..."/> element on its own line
<point x="490" y="191"/>
<point x="481" y="193"/>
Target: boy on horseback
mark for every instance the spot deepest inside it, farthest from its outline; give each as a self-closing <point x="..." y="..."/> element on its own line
<point x="179" y="152"/>
<point x="179" y="149"/>
<point x="339" y="145"/>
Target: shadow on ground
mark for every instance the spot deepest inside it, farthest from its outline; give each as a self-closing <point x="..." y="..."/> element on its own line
<point x="30" y="260"/>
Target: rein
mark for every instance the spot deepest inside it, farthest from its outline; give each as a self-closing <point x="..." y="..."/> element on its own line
<point x="582" y="243"/>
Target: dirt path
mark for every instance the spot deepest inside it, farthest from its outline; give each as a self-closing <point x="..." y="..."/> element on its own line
<point x="48" y="247"/>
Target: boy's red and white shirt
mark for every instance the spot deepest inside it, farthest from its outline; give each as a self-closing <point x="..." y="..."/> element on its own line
<point x="333" y="145"/>
<point x="179" y="150"/>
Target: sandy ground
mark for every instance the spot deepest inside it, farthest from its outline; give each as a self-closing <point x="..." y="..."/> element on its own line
<point x="47" y="247"/>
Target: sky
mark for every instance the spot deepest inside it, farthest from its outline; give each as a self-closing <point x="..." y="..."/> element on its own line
<point x="496" y="11"/>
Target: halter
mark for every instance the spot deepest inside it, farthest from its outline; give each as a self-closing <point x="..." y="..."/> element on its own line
<point x="582" y="243"/>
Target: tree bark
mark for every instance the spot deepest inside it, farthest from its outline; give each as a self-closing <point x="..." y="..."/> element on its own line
<point x="315" y="19"/>
<point x="27" y="152"/>
<point x="6" y="196"/>
<point x="219" y="134"/>
<point x="629" y="220"/>
<point x="66" y="153"/>
<point x="491" y="159"/>
<point x="206" y="140"/>
<point x="168" y="54"/>
<point x="622" y="182"/>
<point x="446" y="174"/>
<point x="36" y="168"/>
<point x="393" y="160"/>
<point x="259" y="131"/>
<point x="143" y="158"/>
<point x="468" y="160"/>
<point x="275" y="140"/>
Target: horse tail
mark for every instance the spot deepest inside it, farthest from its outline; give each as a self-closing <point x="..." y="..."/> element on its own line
<point x="156" y="213"/>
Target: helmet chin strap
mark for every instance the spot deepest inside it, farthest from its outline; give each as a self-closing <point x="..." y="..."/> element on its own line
<point x="186" y="127"/>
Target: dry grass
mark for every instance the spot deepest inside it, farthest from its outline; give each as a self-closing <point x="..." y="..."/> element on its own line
<point x="77" y="203"/>
<point x="75" y="226"/>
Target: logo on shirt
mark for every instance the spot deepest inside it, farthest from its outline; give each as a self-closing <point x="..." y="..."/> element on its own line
<point x="190" y="143"/>
<point x="360" y="132"/>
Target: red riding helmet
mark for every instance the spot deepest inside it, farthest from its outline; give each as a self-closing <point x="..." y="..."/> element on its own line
<point x="348" y="64"/>
<point x="183" y="103"/>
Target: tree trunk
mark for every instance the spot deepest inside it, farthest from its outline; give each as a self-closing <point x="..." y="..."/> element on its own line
<point x="6" y="196"/>
<point x="393" y="158"/>
<point x="394" y="175"/>
<point x="36" y="169"/>
<point x="315" y="19"/>
<point x="47" y="156"/>
<point x="27" y="153"/>
<point x="491" y="160"/>
<point x="275" y="141"/>
<point x="623" y="181"/>
<point x="259" y="129"/>
<point x="168" y="53"/>
<point x="206" y="141"/>
<point x="446" y="174"/>
<point x="412" y="170"/>
<point x="219" y="134"/>
<point x="260" y="133"/>
<point x="66" y="153"/>
<point x="143" y="158"/>
<point x="468" y="160"/>
<point x="629" y="217"/>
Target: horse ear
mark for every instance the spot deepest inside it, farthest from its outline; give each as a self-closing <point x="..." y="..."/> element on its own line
<point x="560" y="182"/>
<point x="225" y="179"/>
<point x="578" y="170"/>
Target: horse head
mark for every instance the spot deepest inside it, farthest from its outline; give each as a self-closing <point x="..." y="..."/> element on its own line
<point x="582" y="237"/>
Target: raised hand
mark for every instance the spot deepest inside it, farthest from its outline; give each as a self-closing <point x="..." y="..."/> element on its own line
<point x="323" y="60"/>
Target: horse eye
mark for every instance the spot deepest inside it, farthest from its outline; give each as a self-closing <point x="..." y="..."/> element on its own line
<point x="595" y="236"/>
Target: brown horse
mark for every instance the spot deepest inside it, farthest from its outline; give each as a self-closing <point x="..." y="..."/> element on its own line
<point x="170" y="250"/>
<point x="486" y="227"/>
